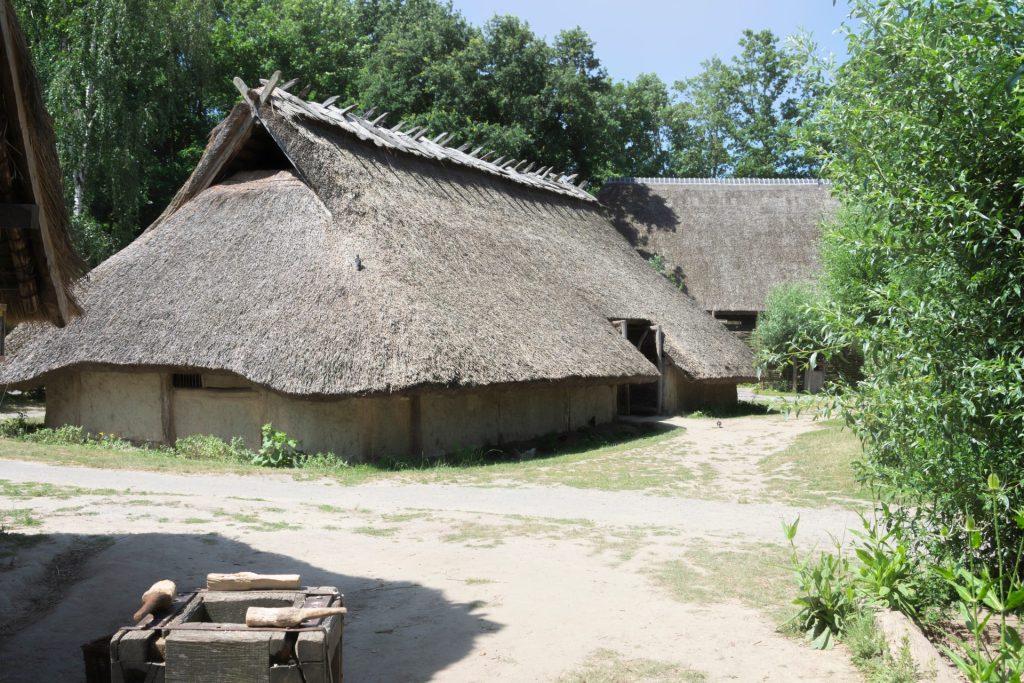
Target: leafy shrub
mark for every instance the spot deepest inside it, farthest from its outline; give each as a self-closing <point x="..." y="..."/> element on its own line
<point x="16" y="427"/>
<point x="886" y="576"/>
<point x="202" y="447"/>
<point x="277" y="450"/>
<point x="324" y="462"/>
<point x="790" y="332"/>
<point x="826" y="596"/>
<point x="921" y="134"/>
<point x="68" y="435"/>
<point x="985" y="594"/>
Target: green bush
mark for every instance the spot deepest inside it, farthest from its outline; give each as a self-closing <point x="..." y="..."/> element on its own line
<point x="921" y="132"/>
<point x="826" y="598"/>
<point x="202" y="447"/>
<point x="16" y="427"/>
<point x="887" y="576"/>
<point x="790" y="333"/>
<point x="67" y="435"/>
<point x="277" y="450"/>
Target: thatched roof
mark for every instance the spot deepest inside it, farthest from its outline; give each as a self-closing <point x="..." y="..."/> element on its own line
<point x="465" y="276"/>
<point x="37" y="261"/>
<point x="732" y="240"/>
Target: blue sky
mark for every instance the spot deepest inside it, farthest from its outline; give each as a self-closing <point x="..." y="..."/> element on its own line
<point x="669" y="38"/>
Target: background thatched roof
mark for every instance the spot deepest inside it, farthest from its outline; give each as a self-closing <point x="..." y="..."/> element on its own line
<point x="468" y="278"/>
<point x="732" y="240"/>
<point x="37" y="266"/>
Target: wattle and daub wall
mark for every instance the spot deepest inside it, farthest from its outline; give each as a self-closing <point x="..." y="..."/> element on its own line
<point x="145" y="407"/>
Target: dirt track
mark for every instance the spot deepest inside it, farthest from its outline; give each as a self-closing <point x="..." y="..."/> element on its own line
<point x="451" y="583"/>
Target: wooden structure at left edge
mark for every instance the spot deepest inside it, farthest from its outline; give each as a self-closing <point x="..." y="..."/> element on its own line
<point x="37" y="261"/>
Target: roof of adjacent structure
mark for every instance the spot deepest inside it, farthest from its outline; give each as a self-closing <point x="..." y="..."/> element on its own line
<point x="731" y="240"/>
<point x="37" y="260"/>
<point x="315" y="255"/>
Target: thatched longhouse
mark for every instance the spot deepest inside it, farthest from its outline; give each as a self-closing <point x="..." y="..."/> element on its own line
<point x="37" y="261"/>
<point x="730" y="240"/>
<point x="372" y="292"/>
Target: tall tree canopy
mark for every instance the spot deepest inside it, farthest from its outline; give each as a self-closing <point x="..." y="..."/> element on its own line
<point x="135" y="85"/>
<point x="741" y="118"/>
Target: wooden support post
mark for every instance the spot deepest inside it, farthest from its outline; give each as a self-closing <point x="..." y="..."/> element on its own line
<point x="624" y="328"/>
<point x="415" y="427"/>
<point x="167" y="408"/>
<point x="659" y="345"/>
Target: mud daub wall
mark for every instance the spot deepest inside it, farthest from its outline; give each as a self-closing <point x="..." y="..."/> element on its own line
<point x="683" y="394"/>
<point x="145" y="406"/>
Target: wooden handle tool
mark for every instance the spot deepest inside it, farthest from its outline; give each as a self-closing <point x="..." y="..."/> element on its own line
<point x="159" y="597"/>
<point x="287" y="617"/>
<point x="248" y="581"/>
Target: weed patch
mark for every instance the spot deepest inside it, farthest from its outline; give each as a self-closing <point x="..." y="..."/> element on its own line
<point x="609" y="666"/>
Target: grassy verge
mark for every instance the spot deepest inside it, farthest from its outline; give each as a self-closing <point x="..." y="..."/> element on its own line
<point x="817" y="469"/>
<point x="587" y="459"/>
<point x="609" y="666"/>
<point x="704" y="573"/>
<point x="870" y="653"/>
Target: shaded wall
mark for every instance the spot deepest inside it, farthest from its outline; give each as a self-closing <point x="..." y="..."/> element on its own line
<point x="682" y="394"/>
<point x="144" y="406"/>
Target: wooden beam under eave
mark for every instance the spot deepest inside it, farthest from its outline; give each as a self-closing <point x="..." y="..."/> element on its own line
<point x="46" y="225"/>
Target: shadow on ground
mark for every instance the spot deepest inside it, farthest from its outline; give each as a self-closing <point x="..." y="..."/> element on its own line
<point x="395" y="630"/>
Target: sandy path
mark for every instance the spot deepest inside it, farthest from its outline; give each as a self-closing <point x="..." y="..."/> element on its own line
<point x="448" y="583"/>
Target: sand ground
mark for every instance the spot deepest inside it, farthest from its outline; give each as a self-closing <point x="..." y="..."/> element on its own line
<point x="446" y="582"/>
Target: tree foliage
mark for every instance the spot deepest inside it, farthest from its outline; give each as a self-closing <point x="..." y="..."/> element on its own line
<point x="135" y="85"/>
<point x="790" y="330"/>
<point x="741" y="118"/>
<point x="923" y="132"/>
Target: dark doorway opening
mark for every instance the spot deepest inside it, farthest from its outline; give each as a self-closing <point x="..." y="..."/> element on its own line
<point x="645" y="398"/>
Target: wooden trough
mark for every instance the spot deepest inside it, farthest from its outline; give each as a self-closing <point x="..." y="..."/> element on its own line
<point x="203" y="637"/>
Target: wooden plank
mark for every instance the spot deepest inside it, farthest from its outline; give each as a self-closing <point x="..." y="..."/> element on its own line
<point x="659" y="345"/>
<point x="287" y="673"/>
<point x="225" y="657"/>
<point x="247" y="581"/>
<point x="315" y="646"/>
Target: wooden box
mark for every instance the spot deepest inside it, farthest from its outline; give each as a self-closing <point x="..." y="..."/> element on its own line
<point x="204" y="638"/>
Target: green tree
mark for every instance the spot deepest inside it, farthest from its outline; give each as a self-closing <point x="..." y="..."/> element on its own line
<point x="315" y="41"/>
<point x="741" y="118"/>
<point x="790" y="330"/>
<point x="410" y="68"/>
<point x="577" y="123"/>
<point x="922" y="132"/>
<point x="123" y="81"/>
<point x="700" y="123"/>
<point x="641" y="142"/>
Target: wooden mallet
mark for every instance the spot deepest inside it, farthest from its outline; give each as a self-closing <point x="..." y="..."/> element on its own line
<point x="287" y="617"/>
<point x="159" y="597"/>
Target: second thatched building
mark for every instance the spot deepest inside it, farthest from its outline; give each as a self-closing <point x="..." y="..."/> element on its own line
<point x="373" y="293"/>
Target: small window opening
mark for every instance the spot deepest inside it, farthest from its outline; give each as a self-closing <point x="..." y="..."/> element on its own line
<point x="187" y="381"/>
<point x="259" y="153"/>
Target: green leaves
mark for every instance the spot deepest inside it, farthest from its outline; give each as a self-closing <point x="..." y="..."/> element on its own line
<point x="923" y="265"/>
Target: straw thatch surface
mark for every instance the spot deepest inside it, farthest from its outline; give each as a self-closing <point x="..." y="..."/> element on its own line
<point x="468" y="278"/>
<point x="37" y="267"/>
<point x="733" y="240"/>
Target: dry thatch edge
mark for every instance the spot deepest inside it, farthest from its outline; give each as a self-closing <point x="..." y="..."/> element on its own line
<point x="62" y="262"/>
<point x="412" y="390"/>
